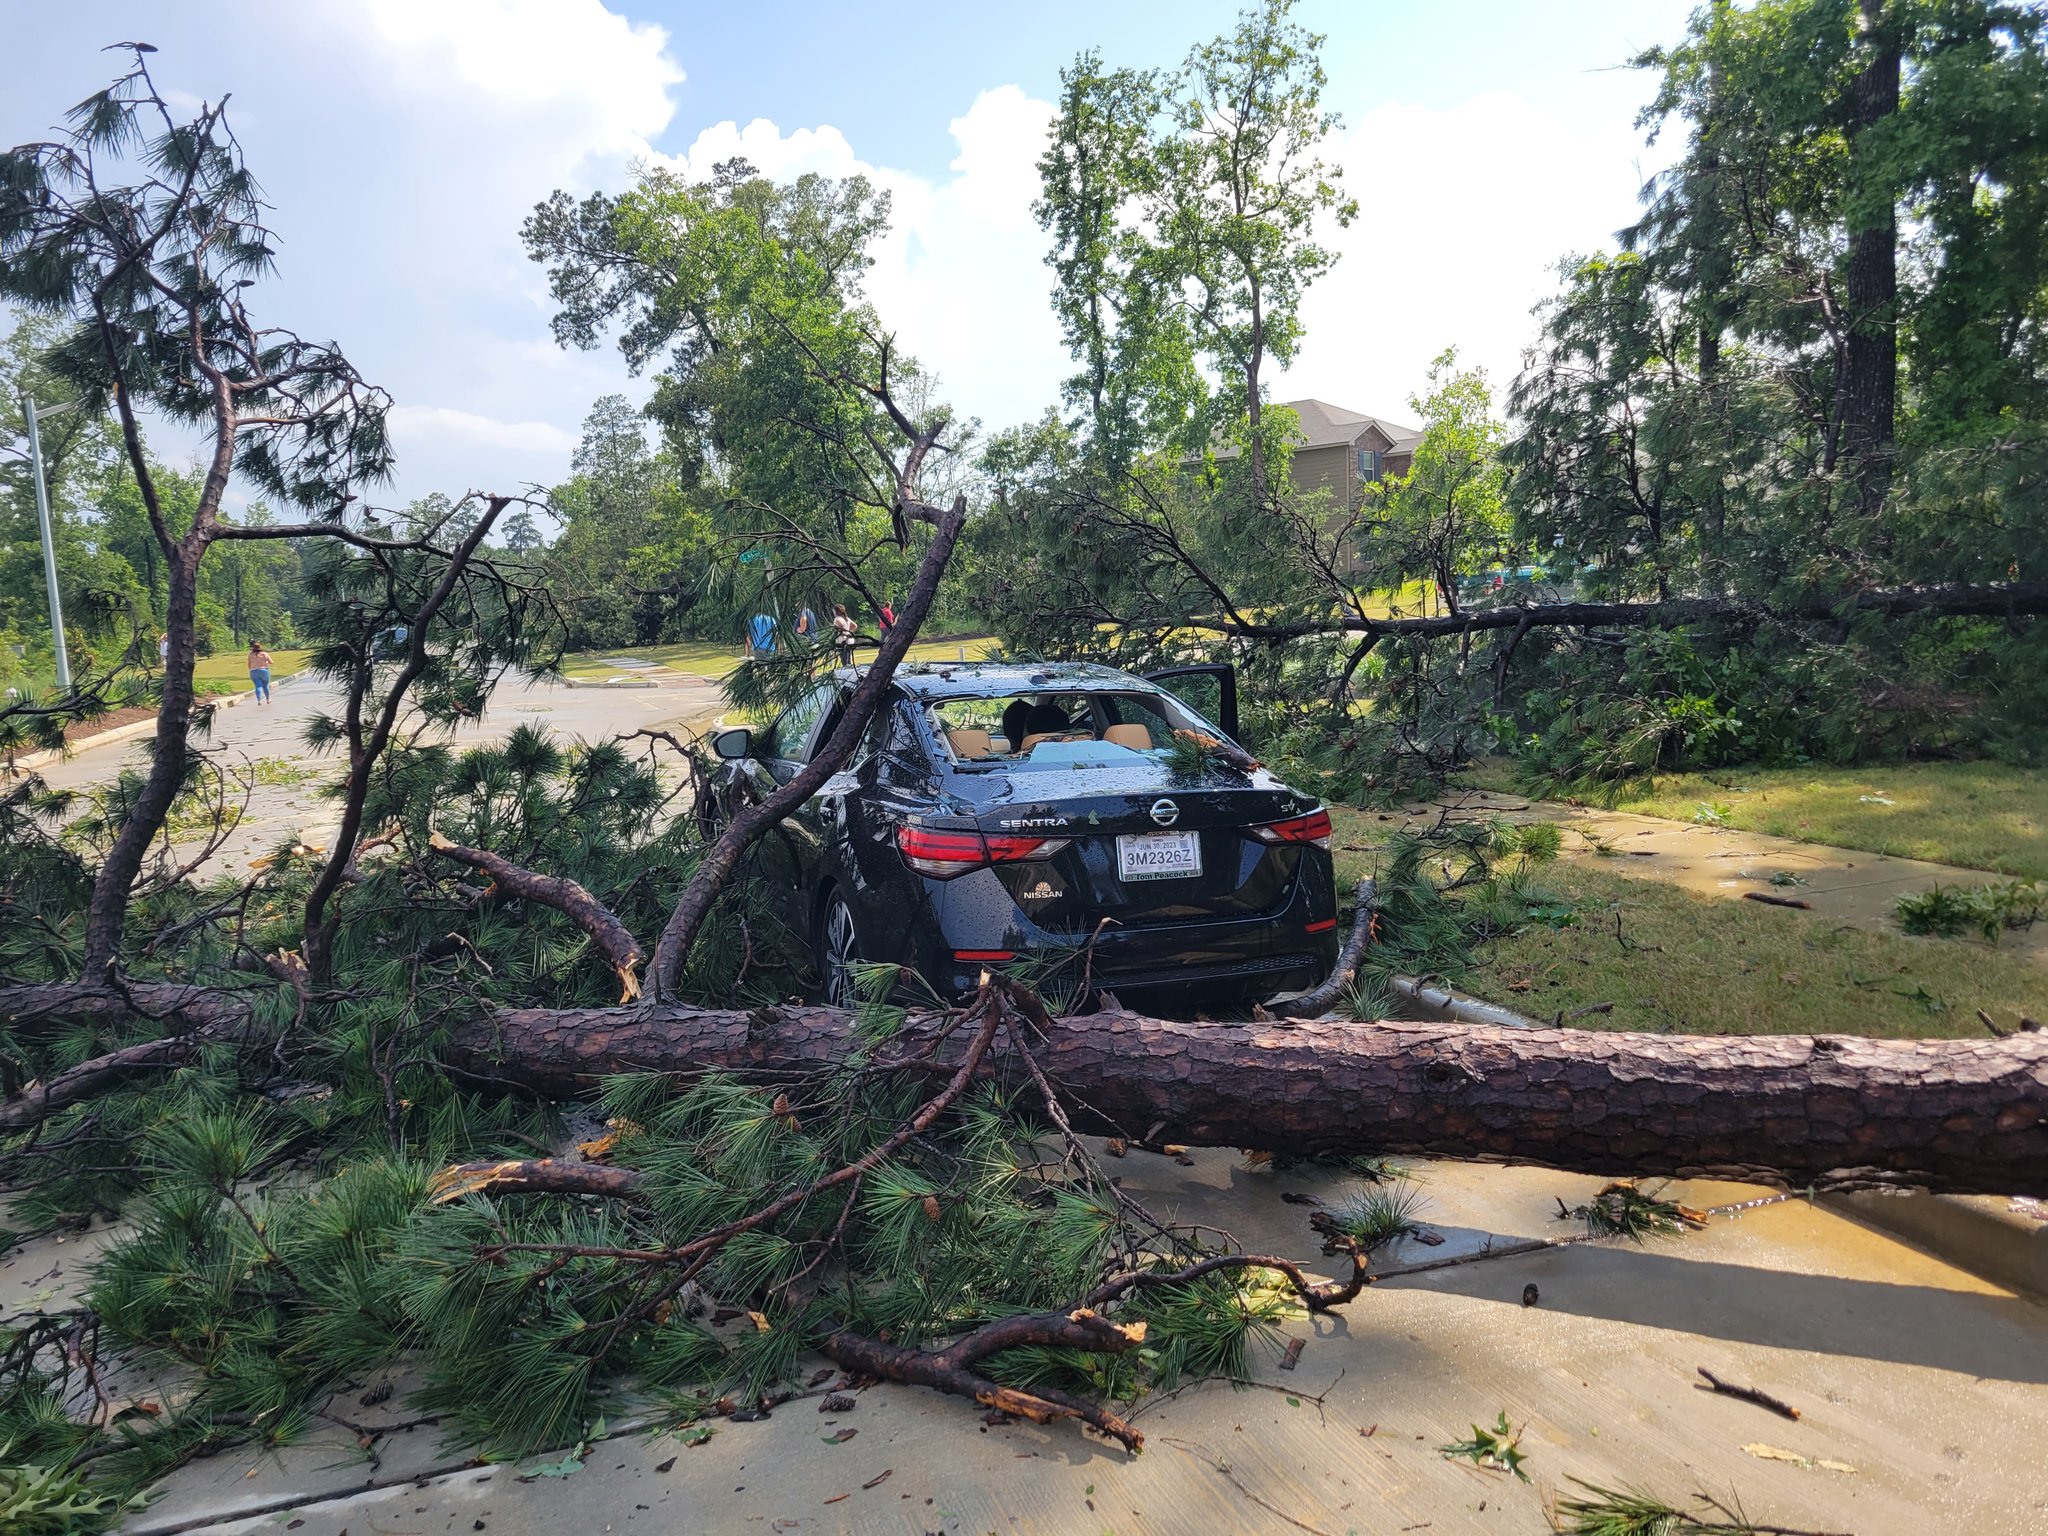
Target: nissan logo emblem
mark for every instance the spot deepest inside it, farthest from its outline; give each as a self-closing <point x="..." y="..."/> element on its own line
<point x="1165" y="812"/>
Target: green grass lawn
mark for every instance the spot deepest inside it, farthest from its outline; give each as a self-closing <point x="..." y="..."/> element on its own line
<point x="233" y="667"/>
<point x="1977" y="815"/>
<point x="1705" y="965"/>
<point x="1702" y="965"/>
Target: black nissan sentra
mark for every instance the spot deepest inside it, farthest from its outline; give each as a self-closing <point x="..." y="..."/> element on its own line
<point x="1009" y="811"/>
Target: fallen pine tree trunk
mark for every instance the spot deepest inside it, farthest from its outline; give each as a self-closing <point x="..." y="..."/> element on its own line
<point x="1829" y="1111"/>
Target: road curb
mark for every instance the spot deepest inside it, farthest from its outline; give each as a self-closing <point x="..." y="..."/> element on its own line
<point x="1978" y="1233"/>
<point x="611" y="682"/>
<point x="28" y="762"/>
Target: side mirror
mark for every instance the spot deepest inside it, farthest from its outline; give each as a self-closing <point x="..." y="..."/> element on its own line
<point x="734" y="744"/>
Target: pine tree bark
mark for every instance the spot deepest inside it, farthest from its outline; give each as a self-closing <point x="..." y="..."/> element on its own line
<point x="1830" y="1111"/>
<point x="1870" y="375"/>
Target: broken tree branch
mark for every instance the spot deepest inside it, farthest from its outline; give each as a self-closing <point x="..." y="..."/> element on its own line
<point x="1747" y="1394"/>
<point x="566" y="897"/>
<point x="1320" y="1001"/>
<point x="950" y="1369"/>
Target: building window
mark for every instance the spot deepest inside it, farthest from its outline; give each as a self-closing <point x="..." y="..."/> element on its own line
<point x="1368" y="464"/>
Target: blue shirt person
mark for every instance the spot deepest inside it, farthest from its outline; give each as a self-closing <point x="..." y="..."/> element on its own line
<point x="762" y="632"/>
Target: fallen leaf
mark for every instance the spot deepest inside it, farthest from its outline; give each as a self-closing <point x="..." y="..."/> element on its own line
<point x="1779" y="1453"/>
<point x="878" y="1480"/>
<point x="760" y="1319"/>
<point x="839" y="1437"/>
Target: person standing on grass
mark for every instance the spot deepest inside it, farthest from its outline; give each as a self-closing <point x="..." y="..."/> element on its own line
<point x="762" y="634"/>
<point x="163" y="652"/>
<point x="887" y="616"/>
<point x="807" y="624"/>
<point x="842" y="634"/>
<point x="259" y="670"/>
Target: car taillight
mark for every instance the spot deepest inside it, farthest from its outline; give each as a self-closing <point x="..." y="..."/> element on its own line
<point x="942" y="855"/>
<point x="1312" y="828"/>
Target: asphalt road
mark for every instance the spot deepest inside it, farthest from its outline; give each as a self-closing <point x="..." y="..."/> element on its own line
<point x="247" y="736"/>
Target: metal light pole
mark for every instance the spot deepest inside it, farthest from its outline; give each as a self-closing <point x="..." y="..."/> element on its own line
<point x="35" y="456"/>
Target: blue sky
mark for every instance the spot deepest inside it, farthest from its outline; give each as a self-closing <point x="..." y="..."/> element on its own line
<point x="403" y="140"/>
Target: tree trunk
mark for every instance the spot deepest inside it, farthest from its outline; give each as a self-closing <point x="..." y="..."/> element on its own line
<point x="1870" y="378"/>
<point x="749" y="825"/>
<point x="1833" y="1111"/>
<point x="107" y="914"/>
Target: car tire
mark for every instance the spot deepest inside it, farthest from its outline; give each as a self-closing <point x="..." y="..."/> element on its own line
<point x="838" y="951"/>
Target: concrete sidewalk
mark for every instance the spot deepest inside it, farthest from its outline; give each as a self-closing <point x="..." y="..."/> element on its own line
<point x="1914" y="1379"/>
<point x="1840" y="885"/>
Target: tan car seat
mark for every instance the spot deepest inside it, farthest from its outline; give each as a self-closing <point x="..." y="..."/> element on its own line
<point x="1136" y="737"/>
<point x="968" y="742"/>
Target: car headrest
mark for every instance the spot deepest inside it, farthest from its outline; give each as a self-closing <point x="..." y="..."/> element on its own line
<point x="968" y="742"/>
<point x="1013" y="723"/>
<point x="1037" y="736"/>
<point x="1044" y="719"/>
<point x="1136" y="737"/>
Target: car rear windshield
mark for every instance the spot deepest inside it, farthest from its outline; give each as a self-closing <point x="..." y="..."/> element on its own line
<point x="1054" y="728"/>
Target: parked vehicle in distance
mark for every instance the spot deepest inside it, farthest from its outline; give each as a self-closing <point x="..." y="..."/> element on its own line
<point x="999" y="812"/>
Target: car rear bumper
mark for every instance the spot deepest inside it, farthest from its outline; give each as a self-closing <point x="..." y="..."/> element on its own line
<point x="1229" y="958"/>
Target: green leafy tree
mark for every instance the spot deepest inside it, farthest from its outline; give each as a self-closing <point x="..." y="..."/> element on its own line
<point x="522" y="533"/>
<point x="748" y="296"/>
<point x="1185" y="211"/>
<point x="1447" y="517"/>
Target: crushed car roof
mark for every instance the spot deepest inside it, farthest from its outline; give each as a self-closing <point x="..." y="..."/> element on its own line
<point x="996" y="679"/>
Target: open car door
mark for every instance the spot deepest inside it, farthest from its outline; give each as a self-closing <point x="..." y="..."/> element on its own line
<point x="1209" y="690"/>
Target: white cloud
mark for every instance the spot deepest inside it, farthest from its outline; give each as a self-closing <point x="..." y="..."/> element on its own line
<point x="1465" y="214"/>
<point x="403" y="141"/>
<point x="960" y="276"/>
<point x="612" y="76"/>
<point x="414" y="136"/>
<point x="418" y="426"/>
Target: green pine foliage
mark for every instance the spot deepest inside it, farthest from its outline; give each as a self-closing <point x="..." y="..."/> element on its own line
<point x="1444" y="893"/>
<point x="276" y="1187"/>
<point x="1376" y="1215"/>
<point x="1598" y="1511"/>
<point x="1621" y="1209"/>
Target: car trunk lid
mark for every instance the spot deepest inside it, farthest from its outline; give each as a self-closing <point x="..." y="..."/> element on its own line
<point x="1143" y="847"/>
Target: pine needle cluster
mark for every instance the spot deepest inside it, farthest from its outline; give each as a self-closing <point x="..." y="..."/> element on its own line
<point x="283" y="1236"/>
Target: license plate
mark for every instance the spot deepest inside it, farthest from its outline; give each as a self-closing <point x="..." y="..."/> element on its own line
<point x="1159" y="856"/>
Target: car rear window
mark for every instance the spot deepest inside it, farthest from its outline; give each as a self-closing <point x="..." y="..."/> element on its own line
<point x="1011" y="729"/>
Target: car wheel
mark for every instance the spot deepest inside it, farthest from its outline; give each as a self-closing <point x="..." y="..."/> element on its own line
<point x="838" y="952"/>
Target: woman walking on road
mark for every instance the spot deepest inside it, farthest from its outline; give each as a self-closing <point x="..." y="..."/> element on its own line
<point x="259" y="670"/>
